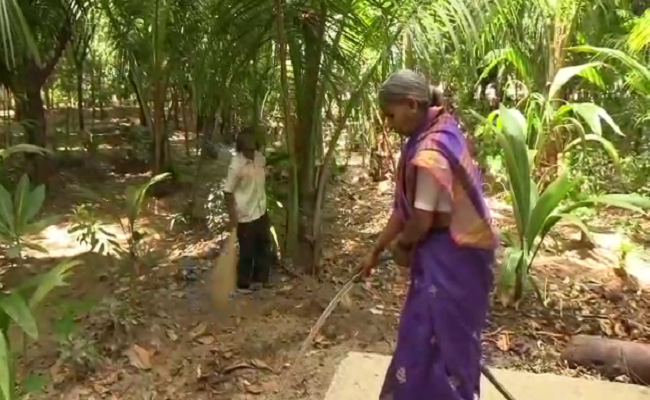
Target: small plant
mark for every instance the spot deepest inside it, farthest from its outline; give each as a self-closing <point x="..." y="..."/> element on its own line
<point x="18" y="216"/>
<point x="625" y="248"/>
<point x="17" y="307"/>
<point x="75" y="349"/>
<point x="135" y="197"/>
<point x="90" y="231"/>
<point x="538" y="208"/>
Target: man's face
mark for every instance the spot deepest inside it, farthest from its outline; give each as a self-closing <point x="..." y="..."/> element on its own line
<point x="247" y="143"/>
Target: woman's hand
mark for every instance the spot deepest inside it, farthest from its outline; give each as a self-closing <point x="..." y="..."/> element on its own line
<point x="369" y="263"/>
<point x="401" y="255"/>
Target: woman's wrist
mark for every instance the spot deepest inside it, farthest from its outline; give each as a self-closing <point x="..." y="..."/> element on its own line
<point x="404" y="245"/>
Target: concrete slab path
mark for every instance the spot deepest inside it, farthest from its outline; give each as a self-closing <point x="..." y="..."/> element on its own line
<point x="360" y="376"/>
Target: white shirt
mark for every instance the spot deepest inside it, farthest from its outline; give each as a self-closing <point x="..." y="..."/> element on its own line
<point x="429" y="196"/>
<point x="246" y="180"/>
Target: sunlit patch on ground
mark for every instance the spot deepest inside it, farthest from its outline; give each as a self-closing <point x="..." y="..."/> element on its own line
<point x="60" y="243"/>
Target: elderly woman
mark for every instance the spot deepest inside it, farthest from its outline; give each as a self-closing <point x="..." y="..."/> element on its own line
<point x="441" y="227"/>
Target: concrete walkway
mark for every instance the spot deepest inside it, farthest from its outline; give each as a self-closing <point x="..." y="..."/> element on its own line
<point x="360" y="375"/>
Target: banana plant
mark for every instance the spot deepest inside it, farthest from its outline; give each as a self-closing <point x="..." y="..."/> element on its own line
<point x="18" y="216"/>
<point x="538" y="209"/>
<point x="17" y="307"/>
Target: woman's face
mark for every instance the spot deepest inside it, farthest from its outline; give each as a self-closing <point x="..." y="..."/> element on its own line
<point x="403" y="117"/>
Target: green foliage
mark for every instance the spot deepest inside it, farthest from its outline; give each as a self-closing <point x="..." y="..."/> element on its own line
<point x="18" y="216"/>
<point x="22" y="148"/>
<point x="75" y="349"/>
<point x="91" y="231"/>
<point x="538" y="209"/>
<point x="17" y="307"/>
<point x="134" y="200"/>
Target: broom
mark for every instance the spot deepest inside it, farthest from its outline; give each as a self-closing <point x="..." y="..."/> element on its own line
<point x="224" y="274"/>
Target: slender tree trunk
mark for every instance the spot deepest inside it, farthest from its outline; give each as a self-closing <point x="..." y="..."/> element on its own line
<point x="186" y="129"/>
<point x="68" y="107"/>
<point x="80" y="102"/>
<point x="159" y="128"/>
<point x="32" y="112"/>
<point x="176" y="108"/>
<point x="291" y="237"/>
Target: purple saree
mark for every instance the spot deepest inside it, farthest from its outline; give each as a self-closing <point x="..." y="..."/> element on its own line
<point x="438" y="350"/>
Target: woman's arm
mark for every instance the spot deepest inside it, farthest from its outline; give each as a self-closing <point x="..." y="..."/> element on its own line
<point x="415" y="228"/>
<point x="427" y="192"/>
<point x="389" y="233"/>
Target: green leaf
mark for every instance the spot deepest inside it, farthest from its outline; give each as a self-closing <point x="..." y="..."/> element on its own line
<point x="592" y="115"/>
<point x="6" y="209"/>
<point x="23" y="148"/>
<point x="574" y="220"/>
<point x="14" y="305"/>
<point x="547" y="204"/>
<point x="621" y="56"/>
<point x="34" y="204"/>
<point x="632" y="202"/>
<point x="34" y="383"/>
<point x="6" y="369"/>
<point x="21" y="195"/>
<point x="135" y="196"/>
<point x="47" y="282"/>
<point x="35" y="247"/>
<point x="587" y="71"/>
<point x="606" y="144"/>
<point x="512" y="138"/>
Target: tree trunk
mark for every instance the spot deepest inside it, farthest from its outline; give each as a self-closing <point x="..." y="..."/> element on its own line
<point x="80" y="103"/>
<point x="176" y="108"/>
<point x="292" y="209"/>
<point x="159" y="128"/>
<point x="610" y="357"/>
<point x="186" y="129"/>
<point x="32" y="112"/>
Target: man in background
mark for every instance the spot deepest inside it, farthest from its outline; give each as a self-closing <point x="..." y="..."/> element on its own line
<point x="245" y="195"/>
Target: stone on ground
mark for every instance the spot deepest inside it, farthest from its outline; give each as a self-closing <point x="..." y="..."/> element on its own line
<point x="360" y="376"/>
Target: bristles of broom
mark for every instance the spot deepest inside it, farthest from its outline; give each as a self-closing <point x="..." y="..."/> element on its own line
<point x="224" y="274"/>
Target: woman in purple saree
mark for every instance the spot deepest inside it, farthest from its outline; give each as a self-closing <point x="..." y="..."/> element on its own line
<point x="442" y="231"/>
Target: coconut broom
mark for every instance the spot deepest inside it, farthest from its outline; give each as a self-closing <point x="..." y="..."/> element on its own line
<point x="223" y="279"/>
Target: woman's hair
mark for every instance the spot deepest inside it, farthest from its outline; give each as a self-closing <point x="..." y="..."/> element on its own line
<point x="405" y="84"/>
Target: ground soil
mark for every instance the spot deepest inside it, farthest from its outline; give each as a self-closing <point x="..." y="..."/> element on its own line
<point x="151" y="332"/>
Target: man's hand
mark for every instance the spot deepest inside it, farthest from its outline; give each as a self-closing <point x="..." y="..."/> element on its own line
<point x="231" y="226"/>
<point x="232" y="211"/>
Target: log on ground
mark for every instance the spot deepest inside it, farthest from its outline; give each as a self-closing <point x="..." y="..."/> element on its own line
<point x="610" y="357"/>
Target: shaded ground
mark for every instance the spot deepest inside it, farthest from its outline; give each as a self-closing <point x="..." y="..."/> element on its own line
<point x="153" y="335"/>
